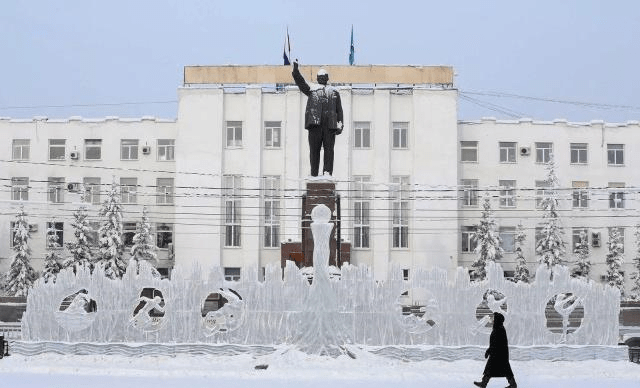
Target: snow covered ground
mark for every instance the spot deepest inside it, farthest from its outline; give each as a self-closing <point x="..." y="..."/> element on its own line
<point x="290" y="368"/>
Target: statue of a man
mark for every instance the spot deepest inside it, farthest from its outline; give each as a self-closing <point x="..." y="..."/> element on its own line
<point x="322" y="119"/>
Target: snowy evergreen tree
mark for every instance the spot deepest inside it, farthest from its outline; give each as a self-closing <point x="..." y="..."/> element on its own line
<point x="635" y="276"/>
<point x="487" y="241"/>
<point x="52" y="260"/>
<point x="80" y="249"/>
<point x="21" y="274"/>
<point x="614" y="260"/>
<point x="521" y="273"/>
<point x="110" y="246"/>
<point x="144" y="247"/>
<point x="582" y="251"/>
<point x="551" y="247"/>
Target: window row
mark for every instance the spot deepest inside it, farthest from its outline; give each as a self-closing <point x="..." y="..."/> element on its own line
<point x="580" y="193"/>
<point x="90" y="191"/>
<point x="508" y="238"/>
<point x="508" y="152"/>
<point x="130" y="149"/>
<point x="163" y="233"/>
<point x="362" y="138"/>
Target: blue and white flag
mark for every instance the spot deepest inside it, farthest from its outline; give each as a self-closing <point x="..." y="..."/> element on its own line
<point x="352" y="52"/>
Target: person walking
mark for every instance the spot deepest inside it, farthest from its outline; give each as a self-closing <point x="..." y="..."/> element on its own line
<point x="498" y="355"/>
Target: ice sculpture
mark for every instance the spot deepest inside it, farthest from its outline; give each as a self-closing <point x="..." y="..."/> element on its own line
<point x="352" y="308"/>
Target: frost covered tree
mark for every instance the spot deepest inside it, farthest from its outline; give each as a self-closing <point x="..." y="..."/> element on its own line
<point x="21" y="274"/>
<point x="487" y="241"/>
<point x="144" y="247"/>
<point x="110" y="246"/>
<point x="521" y="273"/>
<point x="80" y="249"/>
<point x="550" y="247"/>
<point x="52" y="260"/>
<point x="582" y="252"/>
<point x="614" y="260"/>
<point x="635" y="276"/>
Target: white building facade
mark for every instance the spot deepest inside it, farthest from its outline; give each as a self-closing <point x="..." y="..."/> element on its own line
<point x="224" y="182"/>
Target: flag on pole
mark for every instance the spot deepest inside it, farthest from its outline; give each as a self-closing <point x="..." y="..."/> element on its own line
<point x="352" y="52"/>
<point x="287" y="44"/>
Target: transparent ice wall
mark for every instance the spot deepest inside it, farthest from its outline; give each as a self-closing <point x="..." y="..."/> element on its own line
<point x="285" y="309"/>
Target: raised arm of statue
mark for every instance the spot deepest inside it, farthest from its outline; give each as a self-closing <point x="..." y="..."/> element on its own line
<point x="299" y="79"/>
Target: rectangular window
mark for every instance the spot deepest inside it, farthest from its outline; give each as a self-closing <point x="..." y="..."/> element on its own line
<point x="164" y="191"/>
<point x="128" y="190"/>
<point x="58" y="230"/>
<point x="580" y="194"/>
<point x="164" y="235"/>
<point x="543" y="152"/>
<point x="57" y="149"/>
<point x="272" y="132"/>
<point x="468" y="243"/>
<point x="362" y="134"/>
<point x="541" y="192"/>
<point x="55" y="190"/>
<point x="232" y="186"/>
<point x="508" y="238"/>
<point x="579" y="153"/>
<point x="361" y="211"/>
<point x="93" y="149"/>
<point x="166" y="149"/>
<point x="91" y="190"/>
<point x="576" y="235"/>
<point x="615" y="154"/>
<point x="129" y="149"/>
<point x="234" y="133"/>
<point x="400" y="211"/>
<point x="468" y="151"/>
<point x="128" y="231"/>
<point x="616" y="195"/>
<point x="469" y="195"/>
<point x="400" y="132"/>
<point x="20" y="149"/>
<point x="507" y="193"/>
<point x="20" y="188"/>
<point x="271" y="227"/>
<point x="232" y="274"/>
<point x="507" y="152"/>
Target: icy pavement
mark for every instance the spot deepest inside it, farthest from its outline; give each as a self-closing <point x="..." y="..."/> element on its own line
<point x="291" y="368"/>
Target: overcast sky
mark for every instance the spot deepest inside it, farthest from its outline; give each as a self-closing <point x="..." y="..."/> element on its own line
<point x="62" y="58"/>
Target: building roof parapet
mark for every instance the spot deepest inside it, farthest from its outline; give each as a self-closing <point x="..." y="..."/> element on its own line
<point x="269" y="74"/>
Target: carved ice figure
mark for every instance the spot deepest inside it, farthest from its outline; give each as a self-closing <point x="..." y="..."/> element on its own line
<point x="227" y="318"/>
<point x="143" y="319"/>
<point x="496" y="305"/>
<point x="565" y="305"/>
<point x="78" y="315"/>
<point x="320" y="334"/>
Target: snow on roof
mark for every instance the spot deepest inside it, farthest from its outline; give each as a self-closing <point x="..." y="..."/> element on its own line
<point x="88" y="119"/>
<point x="526" y="120"/>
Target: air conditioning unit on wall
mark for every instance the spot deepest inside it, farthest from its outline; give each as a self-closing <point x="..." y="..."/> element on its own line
<point x="525" y="151"/>
<point x="146" y="150"/>
<point x="33" y="227"/>
<point x="74" y="155"/>
<point x="73" y="187"/>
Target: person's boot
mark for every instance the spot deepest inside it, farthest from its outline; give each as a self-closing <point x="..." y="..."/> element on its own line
<point x="512" y="382"/>
<point x="483" y="383"/>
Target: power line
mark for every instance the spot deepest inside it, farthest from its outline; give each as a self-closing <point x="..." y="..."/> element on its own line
<point x="89" y="105"/>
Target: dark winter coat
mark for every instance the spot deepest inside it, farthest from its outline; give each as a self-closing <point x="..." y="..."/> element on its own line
<point x="324" y="108"/>
<point x="498" y="352"/>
